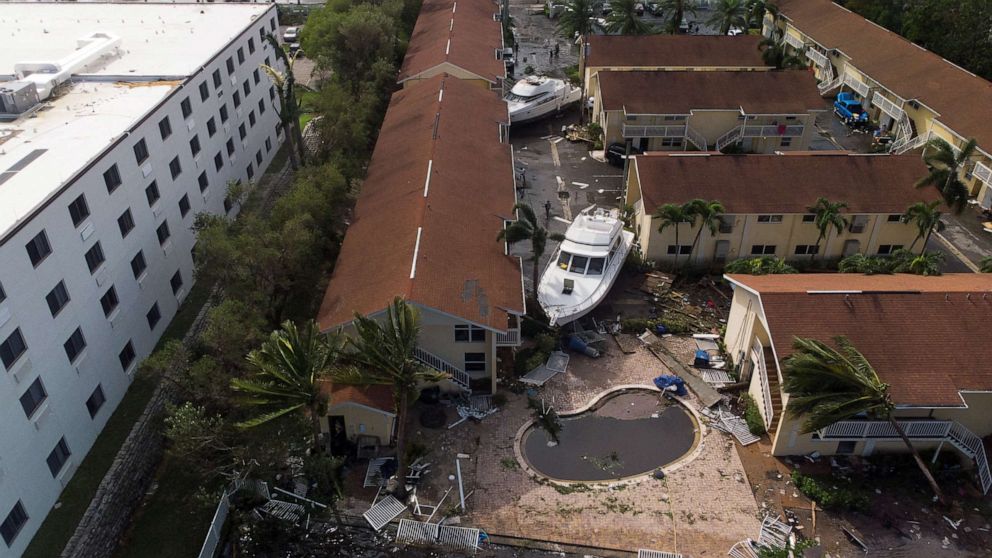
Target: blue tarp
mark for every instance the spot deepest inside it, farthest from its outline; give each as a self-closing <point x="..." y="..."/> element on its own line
<point x="663" y="382"/>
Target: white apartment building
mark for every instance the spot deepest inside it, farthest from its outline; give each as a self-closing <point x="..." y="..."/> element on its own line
<point x="118" y="124"/>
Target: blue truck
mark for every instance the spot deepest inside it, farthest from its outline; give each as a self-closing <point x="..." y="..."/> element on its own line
<point x="849" y="109"/>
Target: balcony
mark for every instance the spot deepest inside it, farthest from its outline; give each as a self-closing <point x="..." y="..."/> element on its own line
<point x="760" y="131"/>
<point x="817" y="57"/>
<point x="629" y="131"/>
<point x="509" y="339"/>
<point x="888" y="107"/>
<point x="875" y="429"/>
<point x="983" y="173"/>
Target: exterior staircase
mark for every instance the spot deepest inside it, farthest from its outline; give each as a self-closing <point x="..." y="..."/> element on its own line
<point x="776" y="392"/>
<point x="458" y="376"/>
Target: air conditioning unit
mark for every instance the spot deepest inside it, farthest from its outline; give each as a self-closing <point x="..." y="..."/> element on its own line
<point x="17" y="97"/>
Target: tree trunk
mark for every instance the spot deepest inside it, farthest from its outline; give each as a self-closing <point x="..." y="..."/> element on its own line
<point x="290" y="140"/>
<point x="919" y="461"/>
<point x="537" y="263"/>
<point x="678" y="247"/>
<point x="402" y="466"/>
<point x="915" y="240"/>
<point x="315" y="425"/>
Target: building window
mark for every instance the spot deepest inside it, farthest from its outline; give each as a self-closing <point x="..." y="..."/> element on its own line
<point x="112" y="178"/>
<point x="153" y="316"/>
<point x="272" y="92"/>
<point x="241" y="55"/>
<point x="13" y="524"/>
<point x="79" y="210"/>
<point x="680" y="250"/>
<point x="60" y="454"/>
<point x="258" y="157"/>
<point x="109" y="301"/>
<point x="184" y="205"/>
<point x="230" y="65"/>
<point x="256" y="76"/>
<point x="95" y="401"/>
<point x="809" y="218"/>
<point x="246" y="87"/>
<point x="888" y="249"/>
<point x="726" y="224"/>
<point x="769" y="218"/>
<point x="261" y="34"/>
<point x="74" y="345"/>
<point x="223" y="113"/>
<point x="174" y="167"/>
<point x="186" y="107"/>
<point x="57" y="298"/>
<point x="785" y="142"/>
<point x="194" y="145"/>
<point x="218" y="164"/>
<point x="261" y="106"/>
<point x="250" y="171"/>
<point x="138" y="264"/>
<point x="251" y="46"/>
<point x="12" y="348"/>
<point x="33" y="397"/>
<point x="230" y="147"/>
<point x="469" y="334"/>
<point x="94" y="257"/>
<point x="251" y="119"/>
<point x="763" y="250"/>
<point x="38" y="248"/>
<point x="272" y="23"/>
<point x="216" y="76"/>
<point x="162" y="232"/>
<point x="126" y="356"/>
<point x="227" y="204"/>
<point x="3" y="295"/>
<point x="152" y="193"/>
<point x="894" y="218"/>
<point x="211" y="127"/>
<point x="807" y="249"/>
<point x="176" y="282"/>
<point x="204" y="91"/>
<point x="268" y="145"/>
<point x="237" y="99"/>
<point x="475" y="362"/>
<point x="140" y="151"/>
<point x="242" y="131"/>
<point x="165" y="128"/>
<point x="671" y="142"/>
<point x="125" y="223"/>
<point x="846" y="447"/>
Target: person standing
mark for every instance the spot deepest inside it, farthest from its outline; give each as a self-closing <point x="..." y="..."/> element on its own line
<point x="547" y="210"/>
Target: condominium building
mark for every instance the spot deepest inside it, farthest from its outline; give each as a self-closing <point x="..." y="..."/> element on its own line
<point x="759" y="112"/>
<point x="909" y="90"/>
<point x="439" y="189"/>
<point x="667" y="52"/>
<point x="463" y="40"/>
<point x="909" y="327"/>
<point x="766" y="199"/>
<point x="119" y="124"/>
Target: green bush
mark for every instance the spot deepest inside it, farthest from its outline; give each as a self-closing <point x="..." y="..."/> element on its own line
<point x="755" y="422"/>
<point x="572" y="73"/>
<point x="831" y="494"/>
<point x="676" y="323"/>
<point x="636" y="325"/>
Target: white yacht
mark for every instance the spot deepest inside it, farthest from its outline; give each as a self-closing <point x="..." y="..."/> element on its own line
<point x="585" y="266"/>
<point x="537" y="96"/>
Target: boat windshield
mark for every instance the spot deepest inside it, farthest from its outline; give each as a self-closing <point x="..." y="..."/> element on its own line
<point x="524" y="99"/>
<point x="582" y="265"/>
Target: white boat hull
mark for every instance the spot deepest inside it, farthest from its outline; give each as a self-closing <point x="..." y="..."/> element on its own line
<point x="527" y="112"/>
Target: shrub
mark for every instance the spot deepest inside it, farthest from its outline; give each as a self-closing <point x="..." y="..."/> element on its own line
<point x="832" y="495"/>
<point x="572" y="73"/>
<point x="529" y="70"/>
<point x="636" y="325"/>
<point x="676" y="323"/>
<point x="752" y="415"/>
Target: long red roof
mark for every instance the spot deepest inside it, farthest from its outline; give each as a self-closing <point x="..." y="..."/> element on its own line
<point x="464" y="34"/>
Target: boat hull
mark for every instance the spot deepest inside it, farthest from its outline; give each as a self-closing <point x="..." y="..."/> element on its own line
<point x="541" y="110"/>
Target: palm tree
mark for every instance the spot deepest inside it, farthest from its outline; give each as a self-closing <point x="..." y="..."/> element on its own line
<point x="672" y="215"/>
<point x="927" y="263"/>
<point x="707" y="214"/>
<point x="383" y="354"/>
<point x="727" y="14"/>
<point x="927" y="220"/>
<point x="756" y="13"/>
<point x="289" y="108"/>
<point x="945" y="166"/>
<point x="986" y="265"/>
<point x="623" y="19"/>
<point x="828" y="385"/>
<point x="775" y="53"/>
<point x="286" y="373"/>
<point x="764" y="265"/>
<point x="675" y="11"/>
<point x="827" y="216"/>
<point x="529" y="228"/>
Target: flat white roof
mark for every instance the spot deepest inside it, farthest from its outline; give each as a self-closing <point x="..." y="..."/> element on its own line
<point x="156" y="39"/>
<point x="161" y="44"/>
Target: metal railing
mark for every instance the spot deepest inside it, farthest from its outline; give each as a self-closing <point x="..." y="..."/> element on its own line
<point x="509" y="339"/>
<point x="764" y="131"/>
<point x="818" y="58"/>
<point x="983" y="173"/>
<point x="918" y="141"/>
<point x="859" y="87"/>
<point x="887" y="106"/>
<point x="827" y="85"/>
<point x="792" y="40"/>
<point x="730" y="138"/>
<point x="630" y="131"/>
<point x="766" y="390"/>
<point x="695" y="138"/>
<point x="969" y="443"/>
<point x="428" y="358"/>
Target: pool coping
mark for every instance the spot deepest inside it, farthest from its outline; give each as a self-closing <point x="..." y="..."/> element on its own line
<point x="698" y="444"/>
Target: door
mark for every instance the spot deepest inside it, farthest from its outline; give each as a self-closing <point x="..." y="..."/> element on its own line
<point x="642" y="144"/>
<point x="338" y="435"/>
<point x="851" y="247"/>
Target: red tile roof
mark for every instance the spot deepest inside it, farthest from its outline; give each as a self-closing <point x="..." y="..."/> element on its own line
<point x="963" y="100"/>
<point x="374" y="396"/>
<point x="750" y="184"/>
<point x="670" y="51"/>
<point x="450" y="219"/>
<point x="463" y="34"/>
<point x="785" y="92"/>
<point x="927" y="337"/>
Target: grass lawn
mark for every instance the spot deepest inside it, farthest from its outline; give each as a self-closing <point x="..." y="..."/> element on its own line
<point x="61" y="523"/>
<point x="304" y="118"/>
<point x="171" y="523"/>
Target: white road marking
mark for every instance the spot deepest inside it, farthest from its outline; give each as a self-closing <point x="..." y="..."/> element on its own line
<point x="582" y="184"/>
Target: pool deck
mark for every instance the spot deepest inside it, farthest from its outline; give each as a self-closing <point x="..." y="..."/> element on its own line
<point x="700" y="509"/>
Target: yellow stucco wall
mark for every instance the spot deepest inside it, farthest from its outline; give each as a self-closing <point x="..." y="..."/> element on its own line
<point x="360" y="420"/>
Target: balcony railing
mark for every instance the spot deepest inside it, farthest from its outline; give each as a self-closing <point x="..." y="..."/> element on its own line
<point x="792" y="40"/>
<point x="863" y="429"/>
<point x="653" y="131"/>
<point x="817" y="57"/>
<point x="509" y="339"/>
<point x="983" y="173"/>
<point x="888" y="107"/>
<point x="756" y="131"/>
<point x="859" y="87"/>
<point x="458" y="375"/>
<point x="766" y="392"/>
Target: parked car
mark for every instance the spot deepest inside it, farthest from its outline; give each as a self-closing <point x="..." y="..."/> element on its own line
<point x="639" y="9"/>
<point x="291" y="35"/>
<point x="617" y="152"/>
<point x="849" y="109"/>
<point x="654" y="8"/>
<point x="734" y="31"/>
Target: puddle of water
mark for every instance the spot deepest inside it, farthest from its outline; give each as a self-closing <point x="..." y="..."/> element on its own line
<point x="628" y="434"/>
